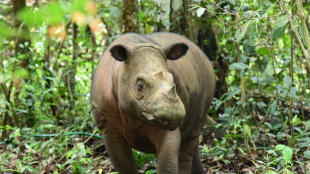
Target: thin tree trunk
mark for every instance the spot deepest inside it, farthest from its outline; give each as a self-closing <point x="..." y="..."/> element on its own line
<point x="73" y="67"/>
<point x="21" y="50"/>
<point x="201" y="31"/>
<point x="130" y="17"/>
<point x="47" y="66"/>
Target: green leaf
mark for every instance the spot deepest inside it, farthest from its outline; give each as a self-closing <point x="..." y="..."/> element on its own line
<point x="266" y="7"/>
<point x="279" y="147"/>
<point x="272" y="152"/>
<point x="308" y="123"/>
<point x="59" y="166"/>
<point x="21" y="73"/>
<point x="301" y="32"/>
<point x="264" y="51"/>
<point x="281" y="21"/>
<point x="8" y="127"/>
<point x="70" y="153"/>
<point x="277" y="33"/>
<point x="78" y="5"/>
<point x="31" y="17"/>
<point x="6" y="31"/>
<point x="115" y="12"/>
<point x="56" y="10"/>
<point x="287" y="154"/>
<point x="240" y="34"/>
<point x="200" y="11"/>
<point x="27" y="146"/>
<point x="247" y="129"/>
<point x="252" y="35"/>
<point x="296" y="120"/>
<point x="307" y="153"/>
<point x="152" y="171"/>
<point x="239" y="66"/>
<point x="293" y="92"/>
<point x="228" y="96"/>
<point x="287" y="80"/>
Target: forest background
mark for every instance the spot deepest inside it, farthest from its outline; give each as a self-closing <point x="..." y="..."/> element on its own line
<point x="259" y="120"/>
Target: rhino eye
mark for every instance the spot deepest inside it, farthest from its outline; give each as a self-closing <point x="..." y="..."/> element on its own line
<point x="140" y="86"/>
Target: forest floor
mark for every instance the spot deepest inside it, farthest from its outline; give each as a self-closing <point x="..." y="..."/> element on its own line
<point x="81" y="154"/>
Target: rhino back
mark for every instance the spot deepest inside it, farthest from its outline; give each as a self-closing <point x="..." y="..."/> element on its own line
<point x="195" y="81"/>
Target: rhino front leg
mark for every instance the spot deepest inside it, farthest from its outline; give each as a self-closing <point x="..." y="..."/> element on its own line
<point x="167" y="152"/>
<point x="187" y="152"/>
<point x="119" y="152"/>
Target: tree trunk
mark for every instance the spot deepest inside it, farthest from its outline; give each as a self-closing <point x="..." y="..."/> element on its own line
<point x="199" y="30"/>
<point x="130" y="16"/>
<point x="72" y="67"/>
<point x="21" y="50"/>
<point x="164" y="16"/>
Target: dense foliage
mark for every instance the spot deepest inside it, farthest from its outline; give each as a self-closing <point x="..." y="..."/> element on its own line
<point x="50" y="49"/>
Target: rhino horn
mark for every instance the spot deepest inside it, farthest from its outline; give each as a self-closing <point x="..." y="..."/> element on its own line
<point x="171" y="92"/>
<point x="160" y="75"/>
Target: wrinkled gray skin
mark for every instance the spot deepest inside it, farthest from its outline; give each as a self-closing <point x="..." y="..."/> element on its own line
<point x="152" y="93"/>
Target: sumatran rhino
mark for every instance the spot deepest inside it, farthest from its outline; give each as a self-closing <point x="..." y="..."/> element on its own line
<point x="152" y="93"/>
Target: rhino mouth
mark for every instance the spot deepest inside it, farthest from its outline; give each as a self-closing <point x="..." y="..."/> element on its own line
<point x="162" y="123"/>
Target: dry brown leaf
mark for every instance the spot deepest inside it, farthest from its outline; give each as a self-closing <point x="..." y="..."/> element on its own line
<point x="91" y="8"/>
<point x="57" y="31"/>
<point x="78" y="18"/>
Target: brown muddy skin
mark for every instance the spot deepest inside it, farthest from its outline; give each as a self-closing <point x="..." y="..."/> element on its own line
<point x="152" y="93"/>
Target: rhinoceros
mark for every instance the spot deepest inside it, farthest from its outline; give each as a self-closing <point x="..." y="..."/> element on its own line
<point x="152" y="93"/>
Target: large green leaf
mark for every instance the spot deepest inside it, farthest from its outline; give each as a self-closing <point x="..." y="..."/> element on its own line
<point x="287" y="153"/>
<point x="277" y="33"/>
<point x="281" y="22"/>
<point x="307" y="153"/>
<point x="78" y="5"/>
<point x="264" y="51"/>
<point x="31" y="17"/>
<point x="240" y="34"/>
<point x="247" y="129"/>
<point x="239" y="66"/>
<point x="5" y="30"/>
<point x="54" y="13"/>
<point x="279" y="147"/>
<point x="287" y="80"/>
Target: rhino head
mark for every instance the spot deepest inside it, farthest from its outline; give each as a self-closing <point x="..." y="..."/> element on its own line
<point x="145" y="87"/>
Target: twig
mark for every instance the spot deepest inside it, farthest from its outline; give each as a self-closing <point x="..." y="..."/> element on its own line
<point x="304" y="28"/>
<point x="306" y="54"/>
<point x="95" y="130"/>
<point x="109" y="30"/>
<point x="291" y="97"/>
<point x="60" y="48"/>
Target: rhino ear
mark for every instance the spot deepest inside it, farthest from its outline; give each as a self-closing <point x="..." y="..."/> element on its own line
<point x="176" y="51"/>
<point x="120" y="52"/>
